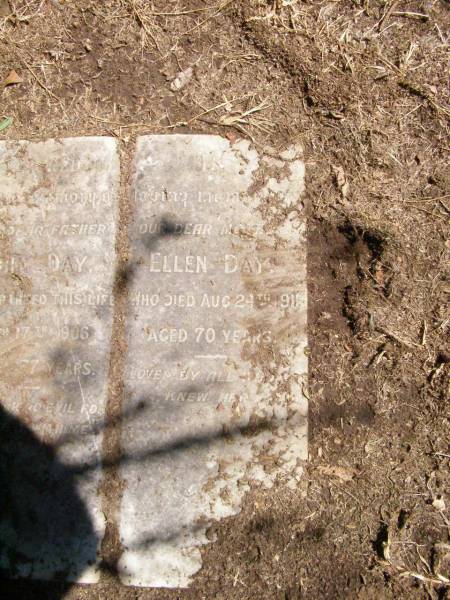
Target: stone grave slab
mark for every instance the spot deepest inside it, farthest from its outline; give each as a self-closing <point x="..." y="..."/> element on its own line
<point x="57" y="258"/>
<point x="216" y="333"/>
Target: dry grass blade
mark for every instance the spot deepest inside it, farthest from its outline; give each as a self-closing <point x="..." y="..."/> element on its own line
<point x="421" y="92"/>
<point x="387" y="13"/>
<point x="238" y="119"/>
<point x="21" y="14"/>
<point x="144" y="17"/>
<point x="216" y="11"/>
<point x="411" y="15"/>
<point x="185" y="12"/>
<point x="439" y="580"/>
<point x="143" y="21"/>
<point x="205" y="112"/>
<point x="244" y="117"/>
<point x="38" y="80"/>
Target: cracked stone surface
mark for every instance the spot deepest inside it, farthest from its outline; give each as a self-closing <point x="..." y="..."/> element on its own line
<point x="216" y="334"/>
<point x="57" y="232"/>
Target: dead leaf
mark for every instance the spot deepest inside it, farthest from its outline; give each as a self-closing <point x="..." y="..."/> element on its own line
<point x="341" y="180"/>
<point x="6" y="123"/>
<point x="182" y="79"/>
<point x="439" y="503"/>
<point x="232" y="136"/>
<point x="340" y="472"/>
<point x="386" y="547"/>
<point x="12" y="79"/>
<point x="335" y="115"/>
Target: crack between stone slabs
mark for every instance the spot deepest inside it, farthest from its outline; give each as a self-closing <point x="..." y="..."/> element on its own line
<point x="112" y="484"/>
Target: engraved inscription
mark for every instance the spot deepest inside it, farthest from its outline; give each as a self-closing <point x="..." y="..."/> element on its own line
<point x="57" y="230"/>
<point x="216" y="333"/>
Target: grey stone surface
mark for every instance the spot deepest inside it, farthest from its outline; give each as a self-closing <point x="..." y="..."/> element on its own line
<point x="57" y="234"/>
<point x="216" y="336"/>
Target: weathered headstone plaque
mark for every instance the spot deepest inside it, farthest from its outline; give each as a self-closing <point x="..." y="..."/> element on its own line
<point x="216" y="336"/>
<point x="57" y="235"/>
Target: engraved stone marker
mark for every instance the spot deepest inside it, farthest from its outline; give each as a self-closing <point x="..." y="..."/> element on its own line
<point x="57" y="234"/>
<point x="216" y="336"/>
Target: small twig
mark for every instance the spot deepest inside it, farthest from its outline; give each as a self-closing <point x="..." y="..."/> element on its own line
<point x="43" y="86"/>
<point x="427" y="198"/>
<point x="396" y="338"/>
<point x="428" y="212"/>
<point x="235" y="126"/>
<point x="121" y="125"/>
<point x="388" y="63"/>
<point x="386" y="14"/>
<point x="182" y="12"/>
<point x="412" y="15"/>
<point x="439" y="580"/>
<point x="423" y="93"/>
<point x="424" y="332"/>
<point x="441" y="202"/>
<point x="142" y="23"/>
<point x="210" y="110"/>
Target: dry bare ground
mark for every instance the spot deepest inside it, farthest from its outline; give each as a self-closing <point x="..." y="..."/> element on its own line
<point x="362" y="85"/>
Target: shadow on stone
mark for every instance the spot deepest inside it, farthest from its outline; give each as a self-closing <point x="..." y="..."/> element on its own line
<point x="45" y="529"/>
<point x="183" y="443"/>
<point x="43" y="521"/>
<point x="166" y="227"/>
